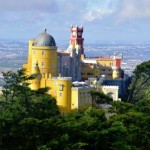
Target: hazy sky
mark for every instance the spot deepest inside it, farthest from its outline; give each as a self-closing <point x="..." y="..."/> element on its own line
<point x="103" y="20"/>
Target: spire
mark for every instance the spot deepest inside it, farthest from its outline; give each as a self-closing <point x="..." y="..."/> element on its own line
<point x="45" y="30"/>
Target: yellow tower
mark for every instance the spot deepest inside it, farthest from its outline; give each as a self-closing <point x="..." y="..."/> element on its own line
<point x="27" y="66"/>
<point x="43" y="49"/>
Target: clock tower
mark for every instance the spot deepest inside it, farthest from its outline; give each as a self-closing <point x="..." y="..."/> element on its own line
<point x="76" y="37"/>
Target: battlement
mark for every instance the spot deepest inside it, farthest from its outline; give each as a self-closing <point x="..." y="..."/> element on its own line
<point x="82" y="88"/>
<point x="91" y="61"/>
<point x="112" y="57"/>
<point x="76" y="28"/>
<point x="120" y="56"/>
<point x="62" y="78"/>
<point x="46" y="75"/>
<point x="110" y="86"/>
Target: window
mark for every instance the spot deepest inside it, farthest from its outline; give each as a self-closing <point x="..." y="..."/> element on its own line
<point x="43" y="63"/>
<point x="74" y="33"/>
<point x="43" y="53"/>
<point x="89" y="73"/>
<point x="60" y="87"/>
<point x="60" y="94"/>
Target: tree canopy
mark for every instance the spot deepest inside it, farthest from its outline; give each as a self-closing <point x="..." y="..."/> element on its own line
<point x="99" y="97"/>
<point x="140" y="85"/>
<point x="40" y="126"/>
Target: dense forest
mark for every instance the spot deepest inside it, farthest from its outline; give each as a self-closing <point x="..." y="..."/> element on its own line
<point x="30" y="120"/>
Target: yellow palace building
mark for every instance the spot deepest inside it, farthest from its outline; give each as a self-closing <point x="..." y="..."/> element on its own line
<point x="43" y="61"/>
<point x="59" y="69"/>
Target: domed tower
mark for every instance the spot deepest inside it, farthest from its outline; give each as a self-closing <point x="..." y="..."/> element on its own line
<point x="44" y="51"/>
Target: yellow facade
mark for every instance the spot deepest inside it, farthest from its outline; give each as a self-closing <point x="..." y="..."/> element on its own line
<point x="99" y="68"/>
<point x="82" y="56"/>
<point x="105" y="62"/>
<point x="88" y="71"/>
<point x="81" y="98"/>
<point x="43" y="62"/>
<point x="60" y="88"/>
<point x="29" y="60"/>
<point x="45" y="56"/>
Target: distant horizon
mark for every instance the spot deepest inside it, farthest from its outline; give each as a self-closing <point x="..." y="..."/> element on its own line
<point x="86" y="42"/>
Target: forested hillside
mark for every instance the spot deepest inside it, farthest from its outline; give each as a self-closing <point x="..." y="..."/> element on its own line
<point x="30" y="120"/>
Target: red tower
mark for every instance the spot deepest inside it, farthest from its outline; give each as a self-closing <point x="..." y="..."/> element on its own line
<point x="76" y="37"/>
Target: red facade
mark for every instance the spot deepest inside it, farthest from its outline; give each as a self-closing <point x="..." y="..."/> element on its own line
<point x="76" y="37"/>
<point x="118" y="62"/>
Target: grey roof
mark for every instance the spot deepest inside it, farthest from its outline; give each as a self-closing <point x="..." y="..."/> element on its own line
<point x="44" y="39"/>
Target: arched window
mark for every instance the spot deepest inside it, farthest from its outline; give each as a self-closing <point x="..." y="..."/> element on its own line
<point x="60" y="94"/>
<point x="43" y="63"/>
<point x="43" y="53"/>
<point x="60" y="87"/>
